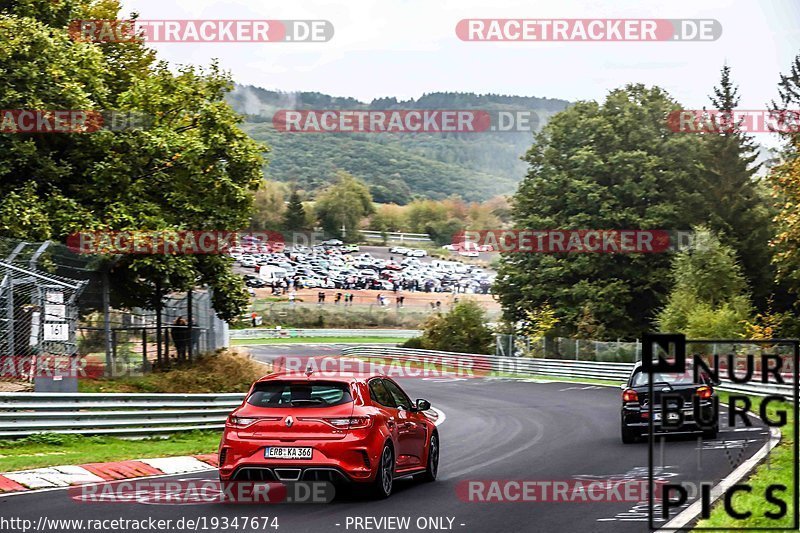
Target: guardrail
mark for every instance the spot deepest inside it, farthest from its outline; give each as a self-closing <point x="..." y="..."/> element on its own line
<point x="272" y="333"/>
<point x="526" y="366"/>
<point x="395" y="236"/>
<point x="23" y="414"/>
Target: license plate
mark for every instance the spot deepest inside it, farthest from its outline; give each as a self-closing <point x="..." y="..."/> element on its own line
<point x="288" y="452"/>
<point x="670" y="416"/>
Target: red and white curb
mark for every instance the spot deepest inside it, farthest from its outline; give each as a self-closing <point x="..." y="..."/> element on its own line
<point x="55" y="477"/>
<point x="65" y="476"/>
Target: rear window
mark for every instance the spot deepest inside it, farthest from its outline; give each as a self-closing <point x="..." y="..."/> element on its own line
<point x="300" y="394"/>
<point x="685" y="378"/>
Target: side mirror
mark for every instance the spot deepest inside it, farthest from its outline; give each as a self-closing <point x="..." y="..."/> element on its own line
<point x="623" y="386"/>
<point x="422" y="405"/>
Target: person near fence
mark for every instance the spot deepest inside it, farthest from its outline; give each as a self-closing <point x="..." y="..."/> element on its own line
<point x="180" y="338"/>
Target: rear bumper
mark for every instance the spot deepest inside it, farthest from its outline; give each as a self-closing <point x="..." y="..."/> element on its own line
<point x="352" y="459"/>
<point x="638" y="418"/>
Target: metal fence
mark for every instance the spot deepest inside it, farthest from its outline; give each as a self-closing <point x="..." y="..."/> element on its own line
<point x="394" y="236"/>
<point x="563" y="348"/>
<point x="528" y="366"/>
<point x="55" y="304"/>
<point x="273" y="333"/>
<point x="23" y="414"/>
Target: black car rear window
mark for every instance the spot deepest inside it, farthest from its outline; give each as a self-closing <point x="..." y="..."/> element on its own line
<point x="300" y="394"/>
<point x="685" y="378"/>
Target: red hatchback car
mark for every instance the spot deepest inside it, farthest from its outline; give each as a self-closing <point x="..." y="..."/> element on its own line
<point x="360" y="429"/>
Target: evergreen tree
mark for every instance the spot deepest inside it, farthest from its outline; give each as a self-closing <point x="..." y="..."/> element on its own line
<point x="736" y="199"/>
<point x="295" y="217"/>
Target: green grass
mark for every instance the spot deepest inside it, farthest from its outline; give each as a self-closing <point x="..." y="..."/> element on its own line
<point x="778" y="469"/>
<point x="319" y="340"/>
<point x="49" y="449"/>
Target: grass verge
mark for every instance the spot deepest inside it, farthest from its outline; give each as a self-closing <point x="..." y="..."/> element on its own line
<point x="49" y="449"/>
<point x="320" y="340"/>
<point x="779" y="468"/>
<point x="225" y="371"/>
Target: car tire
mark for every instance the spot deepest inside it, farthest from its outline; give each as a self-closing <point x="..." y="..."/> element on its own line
<point x="432" y="469"/>
<point x="628" y="435"/>
<point x="384" y="479"/>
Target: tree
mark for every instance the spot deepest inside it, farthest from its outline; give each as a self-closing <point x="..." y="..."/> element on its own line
<point x="785" y="179"/>
<point x="188" y="167"/>
<point x="268" y="207"/>
<point x="709" y="298"/>
<point x="737" y="202"/>
<point x="539" y="322"/>
<point x="388" y="217"/>
<point x="341" y="207"/>
<point x="610" y="165"/>
<point x="294" y="218"/>
<point x="463" y="329"/>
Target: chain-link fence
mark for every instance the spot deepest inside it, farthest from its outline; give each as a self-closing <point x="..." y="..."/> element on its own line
<point x="57" y="324"/>
<point x="568" y="349"/>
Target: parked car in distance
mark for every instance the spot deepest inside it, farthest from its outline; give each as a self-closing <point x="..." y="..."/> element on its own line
<point x="271" y="275"/>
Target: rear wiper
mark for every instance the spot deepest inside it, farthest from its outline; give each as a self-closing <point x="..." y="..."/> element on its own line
<point x="306" y="401"/>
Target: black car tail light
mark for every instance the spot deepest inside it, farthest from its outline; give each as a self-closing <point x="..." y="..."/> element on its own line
<point x="704" y="392"/>
<point x="630" y="395"/>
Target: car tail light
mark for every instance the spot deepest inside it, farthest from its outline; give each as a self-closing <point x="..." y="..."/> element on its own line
<point x="630" y="395"/>
<point x="243" y="422"/>
<point x="353" y="422"/>
<point x="704" y="392"/>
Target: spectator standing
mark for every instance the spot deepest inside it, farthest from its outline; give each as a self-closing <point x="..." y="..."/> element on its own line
<point x="180" y="336"/>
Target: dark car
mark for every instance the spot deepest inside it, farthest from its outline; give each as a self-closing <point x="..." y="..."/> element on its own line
<point x="692" y="407"/>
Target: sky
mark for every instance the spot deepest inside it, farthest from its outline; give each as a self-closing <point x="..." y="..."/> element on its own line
<point x="405" y="48"/>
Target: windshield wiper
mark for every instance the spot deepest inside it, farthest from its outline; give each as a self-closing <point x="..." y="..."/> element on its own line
<point x="307" y="401"/>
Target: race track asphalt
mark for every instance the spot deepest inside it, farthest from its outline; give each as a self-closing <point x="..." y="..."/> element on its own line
<point x="495" y="429"/>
